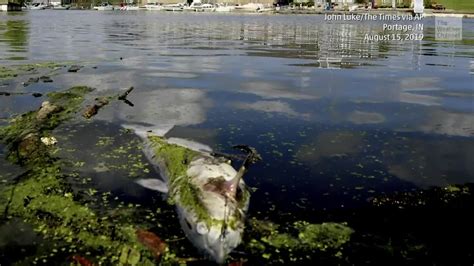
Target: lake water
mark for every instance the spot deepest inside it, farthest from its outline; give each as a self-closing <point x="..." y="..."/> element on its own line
<point x="337" y="120"/>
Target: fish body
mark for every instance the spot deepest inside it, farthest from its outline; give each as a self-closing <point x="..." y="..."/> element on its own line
<point x="211" y="197"/>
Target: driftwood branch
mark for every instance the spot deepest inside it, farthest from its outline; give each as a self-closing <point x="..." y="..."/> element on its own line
<point x="123" y="96"/>
<point x="92" y="110"/>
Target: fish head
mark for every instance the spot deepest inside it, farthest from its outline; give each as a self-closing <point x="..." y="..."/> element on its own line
<point x="222" y="231"/>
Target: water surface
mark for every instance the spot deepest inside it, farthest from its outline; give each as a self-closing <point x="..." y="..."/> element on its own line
<point x="337" y="120"/>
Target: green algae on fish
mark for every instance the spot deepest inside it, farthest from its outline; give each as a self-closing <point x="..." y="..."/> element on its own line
<point x="210" y="195"/>
<point x="176" y="160"/>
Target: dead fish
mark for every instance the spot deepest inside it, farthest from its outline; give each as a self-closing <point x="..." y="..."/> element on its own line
<point x="211" y="197"/>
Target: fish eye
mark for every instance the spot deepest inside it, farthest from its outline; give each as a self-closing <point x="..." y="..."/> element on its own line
<point x="201" y="228"/>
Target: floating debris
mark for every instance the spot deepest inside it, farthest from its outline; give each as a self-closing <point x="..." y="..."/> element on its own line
<point x="82" y="261"/>
<point x="74" y="68"/>
<point x="123" y="96"/>
<point x="93" y="110"/>
<point x="7" y="93"/>
<point x="152" y="242"/>
<point x="45" y="79"/>
<point x="30" y="81"/>
<point x="49" y="141"/>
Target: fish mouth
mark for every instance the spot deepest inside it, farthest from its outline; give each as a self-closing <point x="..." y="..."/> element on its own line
<point x="216" y="241"/>
<point x="219" y="249"/>
<point x="219" y="254"/>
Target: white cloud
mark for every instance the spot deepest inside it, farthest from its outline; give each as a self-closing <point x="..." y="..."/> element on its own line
<point x="268" y="90"/>
<point x="271" y="107"/>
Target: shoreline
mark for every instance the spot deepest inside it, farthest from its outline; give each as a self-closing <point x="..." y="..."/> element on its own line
<point x="311" y="11"/>
<point x="428" y="13"/>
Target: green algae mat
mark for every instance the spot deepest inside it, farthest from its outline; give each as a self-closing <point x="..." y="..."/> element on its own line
<point x="76" y="229"/>
<point x="72" y="221"/>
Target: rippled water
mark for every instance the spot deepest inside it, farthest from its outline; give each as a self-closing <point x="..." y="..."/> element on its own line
<point x="337" y="120"/>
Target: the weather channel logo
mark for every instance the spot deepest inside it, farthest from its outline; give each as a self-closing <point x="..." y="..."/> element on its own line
<point x="448" y="28"/>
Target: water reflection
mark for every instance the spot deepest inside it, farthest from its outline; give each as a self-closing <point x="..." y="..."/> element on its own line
<point x="331" y="144"/>
<point x="273" y="90"/>
<point x="272" y="107"/>
<point x="448" y="123"/>
<point x="359" y="117"/>
<point x="228" y="79"/>
<point x="431" y="162"/>
<point x="14" y="33"/>
<point x="161" y="109"/>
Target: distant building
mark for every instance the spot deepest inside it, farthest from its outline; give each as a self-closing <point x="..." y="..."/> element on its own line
<point x="384" y="3"/>
<point x="398" y="3"/>
<point x="341" y="2"/>
<point x="230" y="2"/>
<point x="10" y="5"/>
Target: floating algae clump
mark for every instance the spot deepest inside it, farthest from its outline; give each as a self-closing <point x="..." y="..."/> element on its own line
<point x="46" y="201"/>
<point x="323" y="236"/>
<point x="42" y="196"/>
<point x="7" y="73"/>
<point x="300" y="237"/>
<point x="10" y="72"/>
<point x="23" y="134"/>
